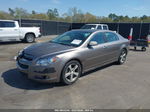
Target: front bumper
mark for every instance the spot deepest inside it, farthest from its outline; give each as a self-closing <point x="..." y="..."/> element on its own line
<point x="46" y="74"/>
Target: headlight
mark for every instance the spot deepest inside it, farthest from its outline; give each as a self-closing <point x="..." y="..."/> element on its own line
<point x="20" y="53"/>
<point x="46" y="61"/>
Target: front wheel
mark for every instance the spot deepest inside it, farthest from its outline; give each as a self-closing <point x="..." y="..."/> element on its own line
<point x="29" y="38"/>
<point x="122" y="57"/>
<point x="71" y="72"/>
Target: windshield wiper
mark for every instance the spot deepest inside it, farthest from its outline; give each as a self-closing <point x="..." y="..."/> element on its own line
<point x="63" y="44"/>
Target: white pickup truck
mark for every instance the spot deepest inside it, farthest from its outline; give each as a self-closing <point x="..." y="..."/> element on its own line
<point x="95" y="26"/>
<point x="10" y="31"/>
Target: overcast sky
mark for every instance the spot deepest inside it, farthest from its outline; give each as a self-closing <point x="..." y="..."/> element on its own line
<point x="96" y="7"/>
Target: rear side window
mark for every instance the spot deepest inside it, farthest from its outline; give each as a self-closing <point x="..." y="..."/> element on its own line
<point x="111" y="37"/>
<point x="99" y="38"/>
<point x="4" y="24"/>
<point x="105" y="28"/>
<point x="99" y="27"/>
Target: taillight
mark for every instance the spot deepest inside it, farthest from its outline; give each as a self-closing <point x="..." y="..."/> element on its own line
<point x="40" y="30"/>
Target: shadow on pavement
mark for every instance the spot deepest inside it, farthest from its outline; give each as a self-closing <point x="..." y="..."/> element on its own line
<point x="137" y="50"/>
<point x="15" y="79"/>
<point x="98" y="69"/>
<point x="12" y="42"/>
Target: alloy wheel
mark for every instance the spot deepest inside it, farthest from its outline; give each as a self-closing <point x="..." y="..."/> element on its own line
<point x="123" y="56"/>
<point x="72" y="72"/>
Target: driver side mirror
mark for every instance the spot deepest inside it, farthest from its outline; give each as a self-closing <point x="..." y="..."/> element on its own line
<point x="92" y="43"/>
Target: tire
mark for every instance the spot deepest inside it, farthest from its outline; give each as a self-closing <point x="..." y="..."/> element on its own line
<point x="143" y="48"/>
<point x="30" y="38"/>
<point x="122" y="57"/>
<point x="71" y="72"/>
<point x="135" y="48"/>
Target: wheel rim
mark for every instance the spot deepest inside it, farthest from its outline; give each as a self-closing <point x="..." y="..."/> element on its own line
<point x="30" y="38"/>
<point x="123" y="56"/>
<point x="72" y="72"/>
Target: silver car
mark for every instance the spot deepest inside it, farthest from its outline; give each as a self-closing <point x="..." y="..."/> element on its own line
<point x="67" y="56"/>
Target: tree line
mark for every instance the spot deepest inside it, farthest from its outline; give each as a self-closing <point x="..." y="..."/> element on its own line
<point x="73" y="15"/>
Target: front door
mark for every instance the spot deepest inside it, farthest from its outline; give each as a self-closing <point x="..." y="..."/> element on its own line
<point x="8" y="31"/>
<point x="95" y="55"/>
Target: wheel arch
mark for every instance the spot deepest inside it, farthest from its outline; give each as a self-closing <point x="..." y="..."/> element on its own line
<point x="125" y="49"/>
<point x="75" y="59"/>
<point x="124" y="46"/>
<point x="30" y="33"/>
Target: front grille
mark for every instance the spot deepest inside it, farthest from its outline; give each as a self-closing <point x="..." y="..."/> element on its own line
<point x="27" y="57"/>
<point x="23" y="66"/>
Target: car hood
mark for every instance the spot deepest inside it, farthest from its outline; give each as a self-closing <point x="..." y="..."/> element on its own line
<point x="47" y="48"/>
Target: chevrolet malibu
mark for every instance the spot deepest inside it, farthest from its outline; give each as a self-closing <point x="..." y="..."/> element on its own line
<point x="66" y="57"/>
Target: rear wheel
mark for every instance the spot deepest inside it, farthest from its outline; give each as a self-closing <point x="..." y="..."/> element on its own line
<point x="71" y="72"/>
<point x="122" y="57"/>
<point x="29" y="38"/>
<point x="143" y="48"/>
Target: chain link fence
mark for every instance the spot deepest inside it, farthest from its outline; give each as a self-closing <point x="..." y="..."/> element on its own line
<point x="140" y="30"/>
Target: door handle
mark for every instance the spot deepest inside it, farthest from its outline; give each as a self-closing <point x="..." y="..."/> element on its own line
<point x="1" y="30"/>
<point x="15" y="29"/>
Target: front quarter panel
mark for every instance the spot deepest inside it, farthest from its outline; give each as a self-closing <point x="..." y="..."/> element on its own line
<point x="68" y="56"/>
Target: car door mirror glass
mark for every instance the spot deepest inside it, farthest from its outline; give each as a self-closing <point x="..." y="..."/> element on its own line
<point x="93" y="43"/>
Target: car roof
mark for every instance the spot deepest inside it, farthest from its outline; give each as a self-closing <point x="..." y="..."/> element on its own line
<point x="7" y="20"/>
<point x="95" y="24"/>
<point x="92" y="31"/>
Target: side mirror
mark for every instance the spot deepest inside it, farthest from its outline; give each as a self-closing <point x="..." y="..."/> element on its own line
<point x="93" y="43"/>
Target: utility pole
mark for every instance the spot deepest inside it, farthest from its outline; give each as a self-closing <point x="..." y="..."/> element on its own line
<point x="118" y="27"/>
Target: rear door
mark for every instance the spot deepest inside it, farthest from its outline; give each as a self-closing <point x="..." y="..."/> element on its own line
<point x="112" y="46"/>
<point x="8" y="31"/>
<point x="1" y="31"/>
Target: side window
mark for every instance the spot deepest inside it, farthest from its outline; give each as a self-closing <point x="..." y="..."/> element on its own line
<point x="7" y="24"/>
<point x="105" y="28"/>
<point x="1" y="24"/>
<point x="111" y="37"/>
<point x="99" y="38"/>
<point x="99" y="27"/>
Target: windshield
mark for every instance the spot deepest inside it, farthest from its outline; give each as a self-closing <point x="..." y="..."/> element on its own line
<point x="89" y="27"/>
<point x="73" y="38"/>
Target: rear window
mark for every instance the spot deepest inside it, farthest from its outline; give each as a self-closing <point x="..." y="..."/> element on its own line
<point x="89" y="27"/>
<point x="4" y="24"/>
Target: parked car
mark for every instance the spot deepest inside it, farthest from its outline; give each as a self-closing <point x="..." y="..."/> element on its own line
<point x="67" y="56"/>
<point x="10" y="31"/>
<point x="95" y="26"/>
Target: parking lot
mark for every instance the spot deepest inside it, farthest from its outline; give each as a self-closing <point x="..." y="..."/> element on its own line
<point x="109" y="87"/>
